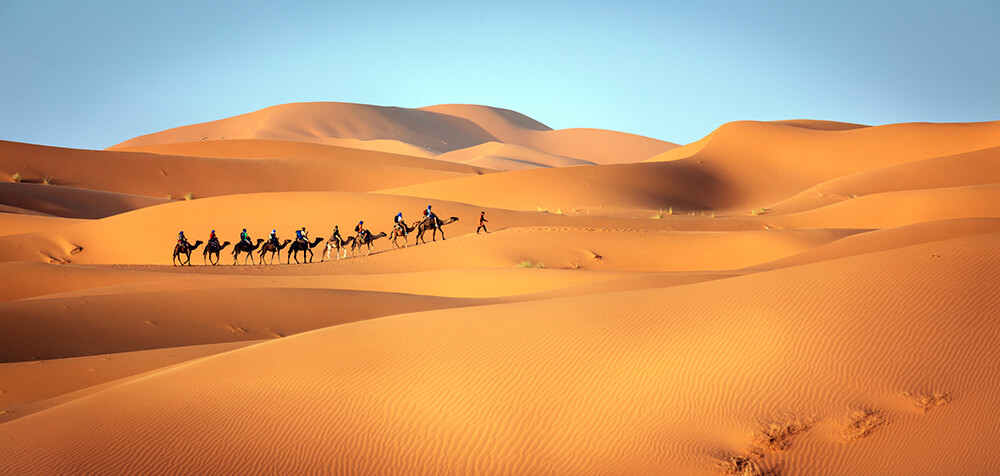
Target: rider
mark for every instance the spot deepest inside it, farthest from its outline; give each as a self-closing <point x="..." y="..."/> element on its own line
<point x="335" y="237"/>
<point x="212" y="239"/>
<point x="182" y="240"/>
<point x="273" y="238"/>
<point x="360" y="230"/>
<point x="245" y="237"/>
<point x="302" y="235"/>
<point x="399" y="223"/>
<point x="429" y="214"/>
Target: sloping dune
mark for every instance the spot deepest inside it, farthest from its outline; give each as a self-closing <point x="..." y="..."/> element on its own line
<point x="796" y="297"/>
<point x="279" y="149"/>
<point x="652" y="382"/>
<point x="683" y="184"/>
<point x="68" y="202"/>
<point x="162" y="176"/>
<point x="498" y="156"/>
<point x="771" y="162"/>
<point x="319" y="122"/>
<point x="592" y="145"/>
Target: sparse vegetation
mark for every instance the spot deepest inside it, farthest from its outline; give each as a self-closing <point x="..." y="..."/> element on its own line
<point x="188" y="196"/>
<point x="776" y="436"/>
<point x="861" y="423"/>
<point x="15" y="177"/>
<point x="47" y="180"/>
<point x="558" y="211"/>
<point x="661" y="213"/>
<point x="530" y="264"/>
<point x="742" y="465"/>
<point x="759" y="211"/>
<point x="926" y="402"/>
<point x="170" y="197"/>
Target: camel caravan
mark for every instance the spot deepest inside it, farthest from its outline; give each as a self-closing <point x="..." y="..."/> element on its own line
<point x="270" y="248"/>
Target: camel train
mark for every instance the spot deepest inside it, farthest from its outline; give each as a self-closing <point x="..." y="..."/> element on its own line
<point x="268" y="250"/>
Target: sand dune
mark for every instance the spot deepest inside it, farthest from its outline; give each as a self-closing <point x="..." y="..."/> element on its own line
<point x="477" y="391"/>
<point x="162" y="176"/>
<point x="798" y="297"/>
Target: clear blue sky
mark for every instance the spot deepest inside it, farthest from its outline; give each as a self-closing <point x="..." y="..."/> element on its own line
<point x="90" y="74"/>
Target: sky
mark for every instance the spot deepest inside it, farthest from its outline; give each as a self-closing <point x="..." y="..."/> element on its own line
<point x="90" y="74"/>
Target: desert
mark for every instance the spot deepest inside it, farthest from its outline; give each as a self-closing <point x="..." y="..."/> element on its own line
<point x="796" y="297"/>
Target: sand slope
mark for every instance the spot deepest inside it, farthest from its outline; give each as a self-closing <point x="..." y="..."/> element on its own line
<point x="795" y="297"/>
<point x="502" y="389"/>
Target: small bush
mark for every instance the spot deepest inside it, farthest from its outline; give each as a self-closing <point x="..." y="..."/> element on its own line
<point x="47" y="180"/>
<point x="759" y="211"/>
<point x="188" y="196"/>
<point x="862" y="423"/>
<point x="530" y="264"/>
<point x="170" y="197"/>
<point x="15" y="177"/>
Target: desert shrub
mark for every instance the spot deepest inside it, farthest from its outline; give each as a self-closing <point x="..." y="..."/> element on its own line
<point x="530" y="264"/>
<point x="47" y="180"/>
<point x="188" y="196"/>
<point x="759" y="211"/>
<point x="15" y="177"/>
<point x="861" y="423"/>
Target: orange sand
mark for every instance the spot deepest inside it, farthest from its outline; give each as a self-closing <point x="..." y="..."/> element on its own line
<point x="800" y="297"/>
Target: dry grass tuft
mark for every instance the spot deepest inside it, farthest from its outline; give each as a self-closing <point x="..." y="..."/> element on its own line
<point x="15" y="177"/>
<point x="530" y="264"/>
<point x="861" y="423"/>
<point x="47" y="180"/>
<point x="926" y="402"/>
<point x="759" y="211"/>
<point x="188" y="196"/>
<point x="777" y="435"/>
<point x="743" y="465"/>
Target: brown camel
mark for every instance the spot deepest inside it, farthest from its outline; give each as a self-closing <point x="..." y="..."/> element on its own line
<point x="396" y="233"/>
<point x="367" y="239"/>
<point x="428" y="224"/>
<point x="275" y="249"/>
<point x="244" y="247"/>
<point x="293" y="251"/>
<point x="212" y="248"/>
<point x="184" y="249"/>
<point x="332" y="244"/>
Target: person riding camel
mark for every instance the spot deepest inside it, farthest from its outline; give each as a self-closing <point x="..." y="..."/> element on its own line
<point x="273" y="239"/>
<point x="360" y="231"/>
<point x="212" y="239"/>
<point x="429" y="214"/>
<point x="335" y="237"/>
<point x="299" y="237"/>
<point x="245" y="237"/>
<point x="302" y="235"/>
<point x="400" y="224"/>
<point x="182" y="240"/>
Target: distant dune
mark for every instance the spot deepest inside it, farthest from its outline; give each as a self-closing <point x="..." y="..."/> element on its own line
<point x="798" y="297"/>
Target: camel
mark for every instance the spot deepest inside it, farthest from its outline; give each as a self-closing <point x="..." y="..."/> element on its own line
<point x="333" y="244"/>
<point x="212" y="248"/>
<point x="426" y="224"/>
<point x="186" y="250"/>
<point x="293" y="251"/>
<point x="244" y="247"/>
<point x="367" y="239"/>
<point x="274" y="249"/>
<point x="396" y="233"/>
